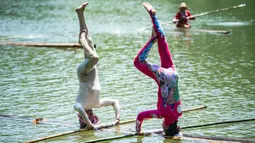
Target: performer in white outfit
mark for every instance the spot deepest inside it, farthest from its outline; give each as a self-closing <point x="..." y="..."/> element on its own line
<point x="89" y="87"/>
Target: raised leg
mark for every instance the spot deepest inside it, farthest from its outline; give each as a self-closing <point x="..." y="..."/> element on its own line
<point x="165" y="55"/>
<point x="80" y="13"/>
<point x="83" y="26"/>
<point x="140" y="60"/>
<point x="89" y="51"/>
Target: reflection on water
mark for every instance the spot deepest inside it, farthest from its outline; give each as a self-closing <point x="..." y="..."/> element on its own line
<point x="215" y="70"/>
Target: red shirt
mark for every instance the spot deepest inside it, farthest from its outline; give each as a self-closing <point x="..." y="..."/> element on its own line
<point x="182" y="17"/>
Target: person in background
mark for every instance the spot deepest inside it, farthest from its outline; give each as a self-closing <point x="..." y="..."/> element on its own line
<point x="165" y="75"/>
<point x="181" y="18"/>
<point x="88" y="96"/>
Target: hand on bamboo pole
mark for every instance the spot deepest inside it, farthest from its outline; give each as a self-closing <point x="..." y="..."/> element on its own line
<point x="102" y="126"/>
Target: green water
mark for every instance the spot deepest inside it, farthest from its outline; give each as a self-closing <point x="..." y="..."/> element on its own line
<point x="215" y="70"/>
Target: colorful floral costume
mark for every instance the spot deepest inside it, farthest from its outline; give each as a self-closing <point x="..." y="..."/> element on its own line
<point x="168" y="105"/>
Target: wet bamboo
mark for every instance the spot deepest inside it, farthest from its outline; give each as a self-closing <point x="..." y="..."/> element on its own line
<point x="100" y="127"/>
<point x="159" y="131"/>
<point x="189" y="137"/>
<point x="37" y="120"/>
<point x="55" y="45"/>
<point x="218" y="123"/>
<point x="70" y="132"/>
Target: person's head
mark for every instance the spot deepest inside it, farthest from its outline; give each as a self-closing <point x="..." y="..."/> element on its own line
<point x="183" y="6"/>
<point x="171" y="129"/>
<point x="89" y="112"/>
<point x="93" y="118"/>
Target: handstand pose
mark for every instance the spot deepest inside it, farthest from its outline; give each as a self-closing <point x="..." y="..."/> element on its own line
<point x="89" y="87"/>
<point x="169" y="104"/>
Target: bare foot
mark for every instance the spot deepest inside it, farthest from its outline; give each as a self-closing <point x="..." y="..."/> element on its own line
<point x="81" y="7"/>
<point x="149" y="8"/>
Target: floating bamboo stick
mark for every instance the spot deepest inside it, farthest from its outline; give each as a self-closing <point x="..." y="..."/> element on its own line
<point x="218" y="123"/>
<point x="228" y="139"/>
<point x="189" y="137"/>
<point x="159" y="131"/>
<point x="214" y="31"/>
<point x="71" y="132"/>
<point x="100" y="127"/>
<point x="56" y="45"/>
<point x="37" y="120"/>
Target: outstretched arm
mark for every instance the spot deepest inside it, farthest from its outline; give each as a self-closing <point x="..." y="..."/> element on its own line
<point x="146" y="115"/>
<point x="189" y="15"/>
<point x="114" y="104"/>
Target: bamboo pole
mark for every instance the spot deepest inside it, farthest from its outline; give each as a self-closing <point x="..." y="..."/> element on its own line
<point x="37" y="120"/>
<point x="228" y="139"/>
<point x="214" y="31"/>
<point x="56" y="45"/>
<point x="225" y="32"/>
<point x="218" y="123"/>
<point x="187" y="110"/>
<point x="159" y="131"/>
<point x="189" y="137"/>
<point x="71" y="132"/>
<point x="100" y="127"/>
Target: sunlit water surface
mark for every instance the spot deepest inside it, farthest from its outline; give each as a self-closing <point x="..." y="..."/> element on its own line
<point x="215" y="70"/>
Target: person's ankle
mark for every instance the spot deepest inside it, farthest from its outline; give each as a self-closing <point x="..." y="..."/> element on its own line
<point x="153" y="11"/>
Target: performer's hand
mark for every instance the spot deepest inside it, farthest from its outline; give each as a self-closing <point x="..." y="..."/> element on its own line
<point x="117" y="121"/>
<point x="96" y="127"/>
<point x="140" y="133"/>
<point x="90" y="127"/>
<point x="174" y="21"/>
